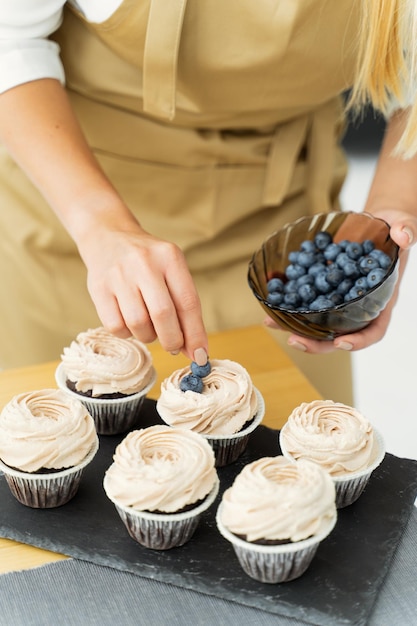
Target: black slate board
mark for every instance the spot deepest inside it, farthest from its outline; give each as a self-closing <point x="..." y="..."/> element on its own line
<point x="339" y="588"/>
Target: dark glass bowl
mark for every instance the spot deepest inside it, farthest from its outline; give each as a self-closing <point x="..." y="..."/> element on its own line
<point x="271" y="259"/>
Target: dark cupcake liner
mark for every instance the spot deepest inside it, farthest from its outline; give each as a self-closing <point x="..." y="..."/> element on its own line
<point x="159" y="531"/>
<point x="274" y="563"/>
<point x="350" y="487"/>
<point x="46" y="491"/>
<point x="228" y="448"/>
<point x="112" y="416"/>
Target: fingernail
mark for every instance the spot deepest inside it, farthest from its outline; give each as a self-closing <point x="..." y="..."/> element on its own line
<point x="297" y="346"/>
<point x="200" y="356"/>
<point x="344" y="345"/>
<point x="175" y="352"/>
<point x="409" y="234"/>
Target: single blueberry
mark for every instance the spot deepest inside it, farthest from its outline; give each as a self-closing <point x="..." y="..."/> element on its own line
<point x="293" y="256"/>
<point x="322" y="239"/>
<point x="321" y="283"/>
<point x="335" y="275"/>
<point x="344" y="243"/>
<point x="368" y="245"/>
<point x="292" y="299"/>
<point x="200" y="370"/>
<point x="320" y="303"/>
<point x="306" y="259"/>
<point x="376" y="276"/>
<point x="342" y="259"/>
<point x="317" y="268"/>
<point x="275" y="284"/>
<point x="294" y="271"/>
<point x="355" y="292"/>
<point x="384" y="261"/>
<point x="320" y="258"/>
<point x="336" y="298"/>
<point x="290" y="286"/>
<point x="332" y="251"/>
<point x="344" y="286"/>
<point x="348" y="297"/>
<point x="307" y="293"/>
<point x="368" y="263"/>
<point x="351" y="269"/>
<point x="308" y="246"/>
<point x="354" y="250"/>
<point x="307" y="279"/>
<point x="361" y="283"/>
<point x="190" y="382"/>
<point x="275" y="298"/>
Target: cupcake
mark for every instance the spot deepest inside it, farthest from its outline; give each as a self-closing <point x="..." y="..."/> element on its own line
<point x="339" y="439"/>
<point x="111" y="376"/>
<point x="225" y="410"/>
<point x="46" y="440"/>
<point x="275" y="515"/>
<point x="161" y="481"/>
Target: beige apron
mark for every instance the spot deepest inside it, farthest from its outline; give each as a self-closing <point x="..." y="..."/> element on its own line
<point x="216" y="121"/>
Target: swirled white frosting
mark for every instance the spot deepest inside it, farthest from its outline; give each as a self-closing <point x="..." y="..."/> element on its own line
<point x="330" y="433"/>
<point x="275" y="499"/>
<point x="227" y="402"/>
<point x="161" y="469"/>
<point x="98" y="361"/>
<point x="45" y="429"/>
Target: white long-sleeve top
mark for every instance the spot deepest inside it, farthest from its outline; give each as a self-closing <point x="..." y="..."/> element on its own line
<point x="25" y="52"/>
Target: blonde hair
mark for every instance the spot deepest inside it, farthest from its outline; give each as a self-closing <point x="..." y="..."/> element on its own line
<point x="386" y="73"/>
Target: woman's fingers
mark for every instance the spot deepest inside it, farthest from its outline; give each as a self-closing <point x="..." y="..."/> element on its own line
<point x="123" y="314"/>
<point x="146" y="290"/>
<point x="188" y="308"/>
<point x="373" y="333"/>
<point x="162" y="313"/>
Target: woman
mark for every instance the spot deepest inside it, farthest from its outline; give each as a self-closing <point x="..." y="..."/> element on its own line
<point x="186" y="133"/>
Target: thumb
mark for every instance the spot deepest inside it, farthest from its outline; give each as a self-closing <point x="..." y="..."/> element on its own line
<point x="404" y="232"/>
<point x="403" y="226"/>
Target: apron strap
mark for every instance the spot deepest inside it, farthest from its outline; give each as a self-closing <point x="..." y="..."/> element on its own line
<point x="161" y="56"/>
<point x="321" y="155"/>
<point x="317" y="130"/>
<point x="285" y="148"/>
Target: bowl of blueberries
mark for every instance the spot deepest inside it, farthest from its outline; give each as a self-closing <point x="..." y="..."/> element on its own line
<point x="327" y="274"/>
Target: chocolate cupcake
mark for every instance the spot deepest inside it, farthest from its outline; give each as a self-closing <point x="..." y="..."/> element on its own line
<point x="226" y="409"/>
<point x="111" y="376"/>
<point x="161" y="481"/>
<point x="340" y="439"/>
<point x="275" y="515"/>
<point x="46" y="440"/>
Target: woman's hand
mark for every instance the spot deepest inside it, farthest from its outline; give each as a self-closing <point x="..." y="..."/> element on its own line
<point x="404" y="232"/>
<point x="141" y="286"/>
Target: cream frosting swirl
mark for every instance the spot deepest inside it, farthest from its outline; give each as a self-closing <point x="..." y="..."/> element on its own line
<point x="161" y="469"/>
<point x="45" y="429"/>
<point x="98" y="361"/>
<point x="275" y="499"/>
<point x="227" y="402"/>
<point x="330" y="433"/>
